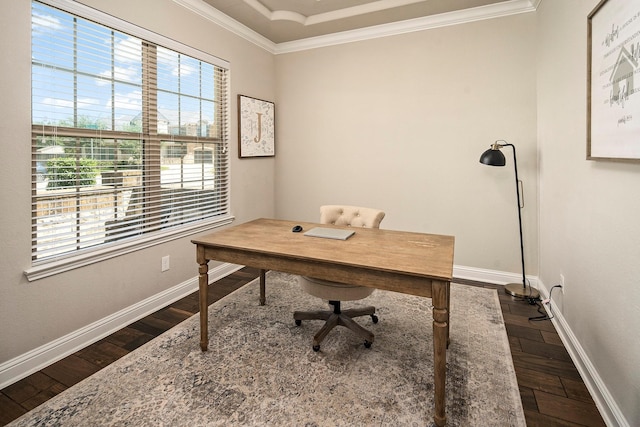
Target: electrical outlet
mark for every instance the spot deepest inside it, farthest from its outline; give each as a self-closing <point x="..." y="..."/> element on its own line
<point x="562" y="283"/>
<point x="165" y="263"/>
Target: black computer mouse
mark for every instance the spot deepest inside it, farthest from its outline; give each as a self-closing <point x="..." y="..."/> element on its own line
<point x="297" y="229"/>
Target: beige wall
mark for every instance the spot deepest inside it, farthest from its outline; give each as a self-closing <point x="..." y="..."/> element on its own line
<point x="35" y="313"/>
<point x="399" y="123"/>
<point x="589" y="213"/>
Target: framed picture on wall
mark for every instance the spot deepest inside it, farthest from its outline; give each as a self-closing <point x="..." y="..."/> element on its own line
<point x="613" y="88"/>
<point x="256" y="127"/>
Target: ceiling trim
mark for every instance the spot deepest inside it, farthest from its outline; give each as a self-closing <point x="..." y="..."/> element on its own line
<point x="496" y="10"/>
<point x="347" y="12"/>
<point x="214" y="15"/>
<point x="277" y="15"/>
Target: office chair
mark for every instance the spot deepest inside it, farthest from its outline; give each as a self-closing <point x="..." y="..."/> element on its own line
<point x="336" y="292"/>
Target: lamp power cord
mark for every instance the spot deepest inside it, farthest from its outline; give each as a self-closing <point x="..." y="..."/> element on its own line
<point x="544" y="315"/>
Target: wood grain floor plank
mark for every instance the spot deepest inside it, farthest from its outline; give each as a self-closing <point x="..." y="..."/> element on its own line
<point x="540" y="381"/>
<point x="536" y="419"/>
<point x="524" y="332"/>
<point x="70" y="370"/>
<point x="128" y="335"/>
<point x="568" y="409"/>
<point x="43" y="396"/>
<point x="28" y="387"/>
<point x="560" y="368"/>
<point x="549" y="351"/>
<point x="528" y="399"/>
<point x="102" y="353"/>
<point x="551" y="337"/>
<point x="576" y="389"/>
<point x="172" y="315"/>
<point x="9" y="409"/>
<point x="523" y="320"/>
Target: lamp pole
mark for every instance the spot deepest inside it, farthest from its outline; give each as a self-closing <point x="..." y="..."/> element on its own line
<point x="515" y="165"/>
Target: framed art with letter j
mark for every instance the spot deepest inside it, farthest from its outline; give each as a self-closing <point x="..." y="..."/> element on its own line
<point x="256" y="127"/>
<point x="613" y="88"/>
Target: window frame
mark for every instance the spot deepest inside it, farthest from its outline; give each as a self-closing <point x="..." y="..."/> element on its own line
<point x="55" y="265"/>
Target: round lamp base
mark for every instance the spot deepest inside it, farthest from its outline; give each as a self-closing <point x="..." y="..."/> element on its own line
<point x="517" y="290"/>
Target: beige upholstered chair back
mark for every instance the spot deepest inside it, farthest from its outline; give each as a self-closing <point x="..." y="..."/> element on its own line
<point x="352" y="216"/>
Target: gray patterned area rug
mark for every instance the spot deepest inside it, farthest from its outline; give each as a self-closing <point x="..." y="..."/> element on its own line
<point x="260" y="369"/>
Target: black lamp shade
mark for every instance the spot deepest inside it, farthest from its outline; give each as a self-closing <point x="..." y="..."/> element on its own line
<point x="493" y="157"/>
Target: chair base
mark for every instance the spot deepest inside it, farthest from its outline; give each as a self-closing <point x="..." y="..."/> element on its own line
<point x="338" y="317"/>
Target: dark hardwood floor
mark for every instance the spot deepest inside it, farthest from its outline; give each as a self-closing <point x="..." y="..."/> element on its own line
<point x="552" y="392"/>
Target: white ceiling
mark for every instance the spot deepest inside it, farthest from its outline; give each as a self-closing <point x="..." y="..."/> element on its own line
<point x="299" y="22"/>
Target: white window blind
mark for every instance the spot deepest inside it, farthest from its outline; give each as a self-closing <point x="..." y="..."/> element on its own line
<point x="129" y="137"/>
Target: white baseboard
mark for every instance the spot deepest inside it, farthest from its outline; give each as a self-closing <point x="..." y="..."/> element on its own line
<point x="607" y="406"/>
<point x="491" y="276"/>
<point x="26" y="364"/>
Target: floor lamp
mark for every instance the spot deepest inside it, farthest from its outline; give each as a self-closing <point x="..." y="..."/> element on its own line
<point x="494" y="157"/>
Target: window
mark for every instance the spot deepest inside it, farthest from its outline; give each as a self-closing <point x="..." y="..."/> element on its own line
<point x="129" y="134"/>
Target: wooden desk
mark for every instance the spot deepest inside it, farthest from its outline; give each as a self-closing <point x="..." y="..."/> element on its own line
<point x="412" y="263"/>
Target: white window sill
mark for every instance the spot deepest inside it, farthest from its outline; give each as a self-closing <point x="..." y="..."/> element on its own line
<point x="92" y="256"/>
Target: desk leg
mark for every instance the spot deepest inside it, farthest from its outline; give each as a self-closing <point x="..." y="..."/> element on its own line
<point x="203" y="283"/>
<point x="448" y="313"/>
<point x="263" y="297"/>
<point x="440" y="300"/>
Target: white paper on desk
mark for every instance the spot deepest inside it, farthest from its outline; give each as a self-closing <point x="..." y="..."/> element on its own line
<point x="330" y="233"/>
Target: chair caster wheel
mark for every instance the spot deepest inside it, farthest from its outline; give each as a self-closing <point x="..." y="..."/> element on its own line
<point x="298" y="322"/>
<point x="367" y="344"/>
<point x="374" y="318"/>
<point x="316" y="348"/>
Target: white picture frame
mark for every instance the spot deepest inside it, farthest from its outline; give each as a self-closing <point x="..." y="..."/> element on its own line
<point x="256" y="127"/>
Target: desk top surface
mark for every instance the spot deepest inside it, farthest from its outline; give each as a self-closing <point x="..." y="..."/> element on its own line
<point x="419" y="254"/>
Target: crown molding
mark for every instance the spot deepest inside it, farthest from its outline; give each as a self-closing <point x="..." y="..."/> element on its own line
<point x="214" y="15"/>
<point x="511" y="7"/>
<point x="497" y="10"/>
<point x="334" y="15"/>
